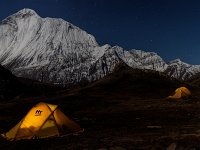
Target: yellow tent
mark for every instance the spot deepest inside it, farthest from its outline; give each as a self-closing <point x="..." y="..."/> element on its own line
<point x="43" y="120"/>
<point x="181" y="92"/>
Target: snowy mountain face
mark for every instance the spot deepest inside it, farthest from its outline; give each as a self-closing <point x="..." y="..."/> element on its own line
<point x="45" y="49"/>
<point x="181" y="70"/>
<point x="55" y="51"/>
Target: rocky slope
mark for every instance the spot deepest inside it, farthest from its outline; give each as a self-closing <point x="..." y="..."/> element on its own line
<point x="181" y="70"/>
<point x="55" y="51"/>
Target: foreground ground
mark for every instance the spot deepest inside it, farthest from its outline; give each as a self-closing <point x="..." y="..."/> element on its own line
<point x="117" y="113"/>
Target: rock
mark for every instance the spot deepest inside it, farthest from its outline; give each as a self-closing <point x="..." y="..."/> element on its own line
<point x="172" y="146"/>
<point x="117" y="148"/>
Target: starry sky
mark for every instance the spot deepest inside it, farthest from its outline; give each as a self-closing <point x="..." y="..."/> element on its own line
<point x="171" y="28"/>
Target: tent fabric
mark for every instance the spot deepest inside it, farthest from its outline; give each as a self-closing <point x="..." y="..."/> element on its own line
<point x="181" y="92"/>
<point x="43" y="120"/>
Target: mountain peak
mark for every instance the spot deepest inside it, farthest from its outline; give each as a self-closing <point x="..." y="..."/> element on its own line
<point x="23" y="13"/>
<point x="176" y="61"/>
<point x="27" y="11"/>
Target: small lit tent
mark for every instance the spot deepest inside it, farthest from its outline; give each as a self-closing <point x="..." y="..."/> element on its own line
<point x="43" y="120"/>
<point x="181" y="92"/>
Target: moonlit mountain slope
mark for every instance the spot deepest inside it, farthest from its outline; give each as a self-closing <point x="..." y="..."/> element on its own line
<point x="55" y="51"/>
<point x="181" y="70"/>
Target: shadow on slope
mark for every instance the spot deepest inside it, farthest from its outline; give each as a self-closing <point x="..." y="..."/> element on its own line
<point x="12" y="86"/>
<point x="133" y="82"/>
<point x="9" y="85"/>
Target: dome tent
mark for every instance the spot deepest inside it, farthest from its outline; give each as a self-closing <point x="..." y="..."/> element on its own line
<point x="181" y="92"/>
<point x="42" y="121"/>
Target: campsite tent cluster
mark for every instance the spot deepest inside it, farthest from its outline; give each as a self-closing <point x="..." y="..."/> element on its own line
<point x="43" y="120"/>
<point x="46" y="120"/>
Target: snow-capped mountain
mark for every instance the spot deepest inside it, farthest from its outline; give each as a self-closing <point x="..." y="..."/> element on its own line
<point x="56" y="51"/>
<point x="181" y="70"/>
<point x="45" y="48"/>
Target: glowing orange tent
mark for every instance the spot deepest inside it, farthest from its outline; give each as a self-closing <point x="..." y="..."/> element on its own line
<point x="181" y="92"/>
<point x="43" y="120"/>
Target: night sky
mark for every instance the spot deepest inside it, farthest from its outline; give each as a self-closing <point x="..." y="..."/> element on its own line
<point x="170" y="28"/>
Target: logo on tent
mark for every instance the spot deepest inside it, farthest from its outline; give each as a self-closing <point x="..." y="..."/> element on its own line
<point x="38" y="112"/>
